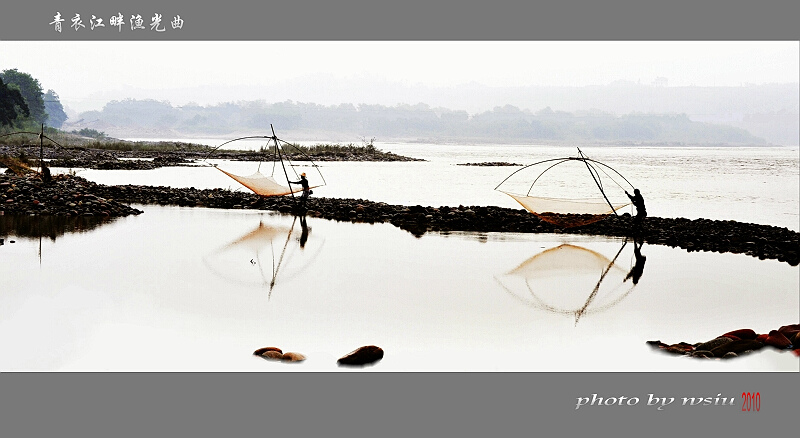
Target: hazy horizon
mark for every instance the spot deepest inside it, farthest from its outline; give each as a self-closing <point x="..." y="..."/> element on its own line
<point x="87" y="75"/>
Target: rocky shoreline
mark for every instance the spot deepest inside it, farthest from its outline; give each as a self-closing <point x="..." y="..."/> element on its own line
<point x="736" y="343"/>
<point x="64" y="195"/>
<point x="183" y="155"/>
<point x="69" y="195"/>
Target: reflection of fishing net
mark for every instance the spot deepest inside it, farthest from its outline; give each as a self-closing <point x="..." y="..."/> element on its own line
<point x="567" y="192"/>
<point x="568" y="279"/>
<point x="268" y="252"/>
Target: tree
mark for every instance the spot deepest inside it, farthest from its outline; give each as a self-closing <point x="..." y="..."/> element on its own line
<point x="55" y="111"/>
<point x="12" y="105"/>
<point x="31" y="91"/>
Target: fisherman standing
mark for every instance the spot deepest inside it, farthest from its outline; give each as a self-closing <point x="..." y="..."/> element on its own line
<point x="638" y="202"/>
<point x="304" y="183"/>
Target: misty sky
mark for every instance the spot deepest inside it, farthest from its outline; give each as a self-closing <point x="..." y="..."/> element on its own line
<point x="86" y="75"/>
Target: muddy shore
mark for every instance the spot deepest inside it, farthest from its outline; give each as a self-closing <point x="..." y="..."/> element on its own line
<point x="69" y="195"/>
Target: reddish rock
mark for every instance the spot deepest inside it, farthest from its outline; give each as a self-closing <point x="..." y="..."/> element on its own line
<point x="261" y="351"/>
<point x="762" y="337"/>
<point x="273" y="355"/>
<point x="676" y="349"/>
<point x="737" y="347"/>
<point x="657" y="344"/>
<point x="742" y="334"/>
<point x="790" y="330"/>
<point x="714" y="343"/>
<point x="362" y="356"/>
<point x="790" y="327"/>
<point x="293" y="357"/>
<point x="703" y="354"/>
<point x="777" y="340"/>
<point x="680" y="348"/>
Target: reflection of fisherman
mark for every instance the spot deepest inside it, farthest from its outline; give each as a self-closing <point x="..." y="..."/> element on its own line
<point x="304" y="183"/>
<point x="304" y="233"/>
<point x="638" y="267"/>
<point x="638" y="202"/>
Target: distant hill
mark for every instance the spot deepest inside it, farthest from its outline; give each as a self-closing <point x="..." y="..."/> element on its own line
<point x="508" y="123"/>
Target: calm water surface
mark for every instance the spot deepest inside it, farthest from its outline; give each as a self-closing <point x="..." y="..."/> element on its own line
<point x="180" y="289"/>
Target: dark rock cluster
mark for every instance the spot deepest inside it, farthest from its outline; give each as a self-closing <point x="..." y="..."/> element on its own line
<point x="736" y="343"/>
<point x="275" y="353"/>
<point x="63" y="195"/>
<point x="366" y="355"/>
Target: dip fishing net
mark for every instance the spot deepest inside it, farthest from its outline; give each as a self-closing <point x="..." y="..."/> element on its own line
<point x="568" y="192"/>
<point x="261" y="184"/>
<point x="277" y="182"/>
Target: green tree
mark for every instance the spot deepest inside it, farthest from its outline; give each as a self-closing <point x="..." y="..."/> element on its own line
<point x="12" y="105"/>
<point x="55" y="111"/>
<point x="31" y="91"/>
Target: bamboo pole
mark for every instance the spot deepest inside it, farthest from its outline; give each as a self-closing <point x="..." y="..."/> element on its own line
<point x="597" y="182"/>
<point x="280" y="156"/>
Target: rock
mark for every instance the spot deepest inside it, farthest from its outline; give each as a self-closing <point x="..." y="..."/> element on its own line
<point x="778" y="340"/>
<point x="702" y="354"/>
<point x="273" y="355"/>
<point x="790" y="330"/>
<point x="737" y="347"/>
<point x="362" y="356"/>
<point x="293" y="357"/>
<point x="261" y="351"/>
<point x="657" y="344"/>
<point x="742" y="334"/>
<point x="678" y="349"/>
<point x="710" y="345"/>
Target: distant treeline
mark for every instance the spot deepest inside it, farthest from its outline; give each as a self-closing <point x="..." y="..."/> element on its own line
<point x="506" y="123"/>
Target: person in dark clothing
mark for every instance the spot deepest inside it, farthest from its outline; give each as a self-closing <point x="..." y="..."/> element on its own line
<point x="46" y="176"/>
<point x="638" y="202"/>
<point x="304" y="183"/>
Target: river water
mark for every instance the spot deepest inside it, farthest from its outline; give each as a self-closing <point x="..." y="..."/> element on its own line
<point x="758" y="185"/>
<point x="195" y="289"/>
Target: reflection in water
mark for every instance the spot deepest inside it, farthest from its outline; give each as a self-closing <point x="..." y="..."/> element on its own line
<point x="558" y="280"/>
<point x="268" y="251"/>
<point x="27" y="226"/>
<point x="638" y="267"/>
